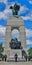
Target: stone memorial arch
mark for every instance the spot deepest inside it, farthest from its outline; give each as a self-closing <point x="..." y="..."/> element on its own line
<point x="14" y="22"/>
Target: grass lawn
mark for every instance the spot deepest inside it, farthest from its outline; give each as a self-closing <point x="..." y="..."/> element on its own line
<point x="0" y="59"/>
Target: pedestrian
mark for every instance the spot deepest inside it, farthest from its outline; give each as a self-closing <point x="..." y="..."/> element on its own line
<point x="16" y="56"/>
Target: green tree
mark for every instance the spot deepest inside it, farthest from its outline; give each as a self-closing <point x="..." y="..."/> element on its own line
<point x="1" y="48"/>
<point x="30" y="52"/>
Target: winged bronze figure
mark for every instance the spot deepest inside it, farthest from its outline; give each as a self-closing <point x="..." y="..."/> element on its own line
<point x="15" y="9"/>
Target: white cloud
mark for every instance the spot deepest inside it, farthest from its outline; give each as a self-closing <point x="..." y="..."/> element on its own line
<point x="28" y="16"/>
<point x="30" y="1"/>
<point x="28" y="35"/>
<point x="2" y="15"/>
<point x="15" y="34"/>
<point x="2" y="31"/>
<point x="5" y="1"/>
<point x="6" y="12"/>
<point x="28" y="32"/>
<point x="28" y="42"/>
<point x="23" y="9"/>
<point x="12" y="3"/>
<point x="2" y="34"/>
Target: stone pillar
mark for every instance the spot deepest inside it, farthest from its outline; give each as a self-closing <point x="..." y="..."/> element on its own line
<point x="7" y="40"/>
<point x="22" y="36"/>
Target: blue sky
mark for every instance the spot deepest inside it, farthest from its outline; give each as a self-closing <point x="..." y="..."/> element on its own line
<point x="25" y="12"/>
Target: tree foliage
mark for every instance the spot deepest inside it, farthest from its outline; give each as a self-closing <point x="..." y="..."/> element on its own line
<point x="30" y="52"/>
<point x="1" y="48"/>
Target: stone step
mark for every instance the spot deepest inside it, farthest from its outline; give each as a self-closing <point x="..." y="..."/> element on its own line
<point x="18" y="59"/>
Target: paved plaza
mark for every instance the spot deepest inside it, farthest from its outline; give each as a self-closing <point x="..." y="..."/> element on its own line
<point x="15" y="63"/>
